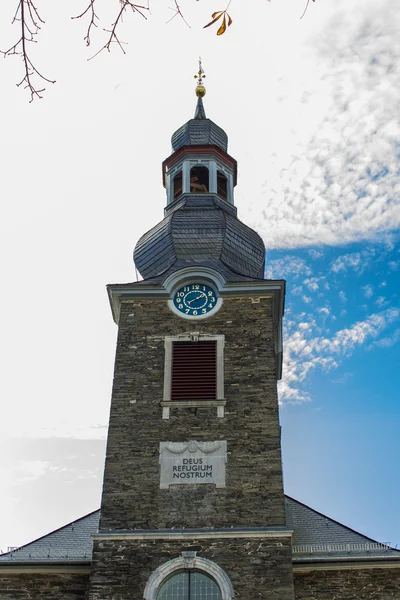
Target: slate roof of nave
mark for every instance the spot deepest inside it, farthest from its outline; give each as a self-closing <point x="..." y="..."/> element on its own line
<point x="315" y="536"/>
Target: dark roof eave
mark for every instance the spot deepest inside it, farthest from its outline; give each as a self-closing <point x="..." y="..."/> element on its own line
<point x="320" y="563"/>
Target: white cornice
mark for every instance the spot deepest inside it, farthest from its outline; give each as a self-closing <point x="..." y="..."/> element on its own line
<point x="193" y="534"/>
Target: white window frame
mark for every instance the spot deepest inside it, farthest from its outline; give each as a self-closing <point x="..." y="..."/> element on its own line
<point x="188" y="561"/>
<point x="194" y="336"/>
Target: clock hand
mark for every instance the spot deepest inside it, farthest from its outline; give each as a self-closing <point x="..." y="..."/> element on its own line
<point x="194" y="300"/>
<point x="197" y="298"/>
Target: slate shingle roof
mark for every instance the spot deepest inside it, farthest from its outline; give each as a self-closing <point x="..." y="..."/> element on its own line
<point x="70" y="543"/>
<point x="197" y="230"/>
<point x="199" y="131"/>
<point x="315" y="536"/>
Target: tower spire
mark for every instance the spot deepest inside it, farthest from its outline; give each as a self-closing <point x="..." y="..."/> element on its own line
<point x="200" y="91"/>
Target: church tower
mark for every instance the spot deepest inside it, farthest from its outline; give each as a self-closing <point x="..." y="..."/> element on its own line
<point x="193" y="505"/>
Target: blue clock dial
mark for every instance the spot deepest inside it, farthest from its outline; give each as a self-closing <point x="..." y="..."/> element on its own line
<point x="195" y="299"/>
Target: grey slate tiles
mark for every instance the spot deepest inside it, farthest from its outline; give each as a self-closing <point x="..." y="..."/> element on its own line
<point x="201" y="230"/>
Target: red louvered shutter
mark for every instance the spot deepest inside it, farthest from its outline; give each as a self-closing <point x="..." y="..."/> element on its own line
<point x="194" y="371"/>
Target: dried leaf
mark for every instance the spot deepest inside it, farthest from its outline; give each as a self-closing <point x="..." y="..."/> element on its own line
<point x="230" y="19"/>
<point x="222" y="29"/>
<point x="214" y="19"/>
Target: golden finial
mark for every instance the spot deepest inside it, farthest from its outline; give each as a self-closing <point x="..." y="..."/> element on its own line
<point x="200" y="89"/>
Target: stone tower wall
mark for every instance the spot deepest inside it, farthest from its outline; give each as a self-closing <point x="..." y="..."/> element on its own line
<point x="348" y="584"/>
<point x="253" y="495"/>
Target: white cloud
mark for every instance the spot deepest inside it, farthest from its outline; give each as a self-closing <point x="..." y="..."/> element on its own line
<point x="380" y="301"/>
<point x="342" y="296"/>
<point x="315" y="254"/>
<point x="348" y="261"/>
<point x="303" y="353"/>
<point x="337" y="180"/>
<point x="297" y="290"/>
<point x="387" y="342"/>
<point x="368" y="290"/>
<point x="288" y="265"/>
<point x="312" y="284"/>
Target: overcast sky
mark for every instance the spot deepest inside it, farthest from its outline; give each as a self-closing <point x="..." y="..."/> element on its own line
<point x="311" y="108"/>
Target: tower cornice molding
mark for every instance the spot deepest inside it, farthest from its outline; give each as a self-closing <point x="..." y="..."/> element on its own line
<point x="195" y="534"/>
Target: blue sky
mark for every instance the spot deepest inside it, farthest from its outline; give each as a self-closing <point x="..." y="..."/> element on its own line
<point x="311" y="109"/>
<point x="340" y="409"/>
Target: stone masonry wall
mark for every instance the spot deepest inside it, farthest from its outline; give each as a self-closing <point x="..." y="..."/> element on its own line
<point x="253" y="495"/>
<point x="257" y="568"/>
<point x="355" y="584"/>
<point x="44" y="586"/>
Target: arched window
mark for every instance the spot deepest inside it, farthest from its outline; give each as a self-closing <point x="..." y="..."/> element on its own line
<point x="189" y="585"/>
<point x="222" y="185"/>
<point x="188" y="577"/>
<point x="199" y="180"/>
<point x="177" y="188"/>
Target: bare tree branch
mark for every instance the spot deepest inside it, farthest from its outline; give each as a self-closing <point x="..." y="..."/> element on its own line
<point x="178" y="11"/>
<point x="92" y="23"/>
<point x="113" y="37"/>
<point x="305" y="9"/>
<point x="28" y="17"/>
<point x="30" y="24"/>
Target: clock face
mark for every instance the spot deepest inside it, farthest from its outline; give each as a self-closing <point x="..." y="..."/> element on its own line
<point x="195" y="299"/>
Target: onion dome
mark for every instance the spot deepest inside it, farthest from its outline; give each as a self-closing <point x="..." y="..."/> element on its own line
<point x="199" y="131"/>
<point x="201" y="230"/>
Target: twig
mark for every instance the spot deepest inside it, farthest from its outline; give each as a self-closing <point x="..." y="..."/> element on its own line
<point x="178" y="11"/>
<point x="30" y="20"/>
<point x="305" y="10"/>
<point x="113" y="37"/>
<point x="92" y="23"/>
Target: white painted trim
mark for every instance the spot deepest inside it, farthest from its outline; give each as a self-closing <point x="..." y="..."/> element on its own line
<point x="173" y="534"/>
<point x="188" y="337"/>
<point x="186" y="177"/>
<point x="212" y="167"/>
<point x="188" y="560"/>
<point x="189" y="274"/>
<point x="230" y="189"/>
<point x="195" y="403"/>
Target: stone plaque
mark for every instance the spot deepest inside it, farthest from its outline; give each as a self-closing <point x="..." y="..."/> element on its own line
<point x="192" y="462"/>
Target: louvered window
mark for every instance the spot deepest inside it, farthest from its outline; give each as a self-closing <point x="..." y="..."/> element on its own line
<point x="194" y="370"/>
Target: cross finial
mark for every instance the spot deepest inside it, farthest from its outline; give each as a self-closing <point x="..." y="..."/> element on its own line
<point x="200" y="89"/>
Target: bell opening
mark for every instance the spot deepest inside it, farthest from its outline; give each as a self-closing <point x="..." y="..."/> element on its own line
<point x="199" y="180"/>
